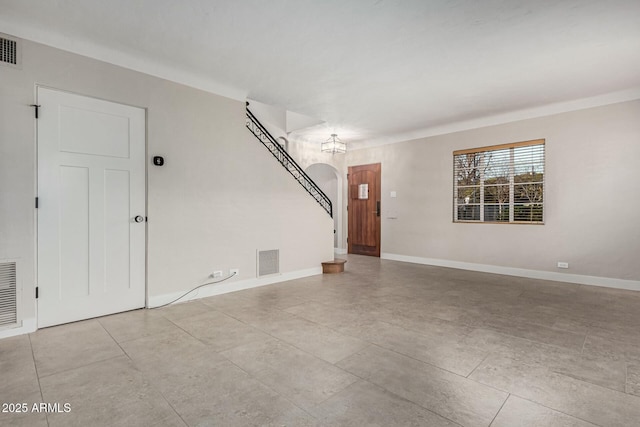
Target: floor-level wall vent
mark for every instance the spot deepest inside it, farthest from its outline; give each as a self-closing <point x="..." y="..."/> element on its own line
<point x="10" y="51"/>
<point x="268" y="262"/>
<point x="8" y="301"/>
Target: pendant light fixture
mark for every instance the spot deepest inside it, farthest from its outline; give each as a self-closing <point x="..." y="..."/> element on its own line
<point x="334" y="145"/>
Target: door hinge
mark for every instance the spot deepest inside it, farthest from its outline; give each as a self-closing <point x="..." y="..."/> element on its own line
<point x="36" y="106"/>
<point x="36" y="292"/>
<point x="36" y="203"/>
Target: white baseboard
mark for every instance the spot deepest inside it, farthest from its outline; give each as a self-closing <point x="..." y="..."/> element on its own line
<point x="231" y="286"/>
<point x="27" y="326"/>
<point x="607" y="282"/>
<point x="339" y="251"/>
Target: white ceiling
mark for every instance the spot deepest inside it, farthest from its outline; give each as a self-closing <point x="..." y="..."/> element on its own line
<point x="372" y="70"/>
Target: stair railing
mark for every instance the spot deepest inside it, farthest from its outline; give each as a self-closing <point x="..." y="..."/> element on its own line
<point x="263" y="135"/>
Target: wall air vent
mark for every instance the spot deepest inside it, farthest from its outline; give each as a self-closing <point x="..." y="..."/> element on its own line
<point x="268" y="262"/>
<point x="9" y="51"/>
<point x="8" y="306"/>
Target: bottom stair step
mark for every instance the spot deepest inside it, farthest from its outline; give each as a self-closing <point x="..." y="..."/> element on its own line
<point x="335" y="266"/>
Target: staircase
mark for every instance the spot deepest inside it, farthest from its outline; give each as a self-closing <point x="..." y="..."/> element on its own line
<point x="261" y="133"/>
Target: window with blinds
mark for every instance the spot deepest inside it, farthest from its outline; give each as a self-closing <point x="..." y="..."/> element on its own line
<point x="501" y="183"/>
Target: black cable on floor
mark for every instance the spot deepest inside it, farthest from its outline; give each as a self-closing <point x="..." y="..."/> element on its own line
<point x="194" y="289"/>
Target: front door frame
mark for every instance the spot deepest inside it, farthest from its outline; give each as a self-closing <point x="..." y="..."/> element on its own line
<point x="376" y="197"/>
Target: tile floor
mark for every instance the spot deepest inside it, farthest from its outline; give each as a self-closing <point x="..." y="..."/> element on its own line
<point x="385" y="343"/>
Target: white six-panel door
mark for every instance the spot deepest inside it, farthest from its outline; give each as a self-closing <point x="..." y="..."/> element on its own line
<point x="91" y="187"/>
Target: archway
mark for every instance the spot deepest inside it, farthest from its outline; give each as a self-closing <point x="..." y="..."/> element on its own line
<point x="329" y="180"/>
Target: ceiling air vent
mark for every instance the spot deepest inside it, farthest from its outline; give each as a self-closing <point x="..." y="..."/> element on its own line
<point x="268" y="262"/>
<point x="9" y="51"/>
<point x="8" y="313"/>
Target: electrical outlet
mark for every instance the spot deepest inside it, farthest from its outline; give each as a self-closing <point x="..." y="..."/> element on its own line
<point x="563" y="264"/>
<point x="234" y="271"/>
<point x="216" y="274"/>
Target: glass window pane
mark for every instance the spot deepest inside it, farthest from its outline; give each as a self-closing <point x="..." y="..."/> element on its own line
<point x="532" y="175"/>
<point x="496" y="212"/>
<point x="529" y="163"/>
<point x="496" y="166"/>
<point x="510" y="179"/>
<point x="467" y="195"/>
<point x="502" y="178"/>
<point x="529" y="154"/>
<point x="496" y="194"/>
<point x="528" y="193"/>
<point x="467" y="169"/>
<point x="528" y="212"/>
<point x="469" y="213"/>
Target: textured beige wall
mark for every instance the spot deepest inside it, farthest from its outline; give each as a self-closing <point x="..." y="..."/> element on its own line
<point x="592" y="196"/>
<point x="219" y="197"/>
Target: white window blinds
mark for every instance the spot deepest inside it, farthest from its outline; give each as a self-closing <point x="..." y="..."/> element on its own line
<point x="501" y="183"/>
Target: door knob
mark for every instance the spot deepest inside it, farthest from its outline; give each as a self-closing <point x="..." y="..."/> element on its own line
<point x="138" y="219"/>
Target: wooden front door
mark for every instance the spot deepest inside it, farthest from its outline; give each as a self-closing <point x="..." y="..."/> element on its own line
<point x="364" y="210"/>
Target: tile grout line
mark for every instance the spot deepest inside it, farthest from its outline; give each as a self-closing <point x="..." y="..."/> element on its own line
<point x="143" y="374"/>
<point x="250" y="375"/>
<point x="291" y="344"/>
<point x="163" y="397"/>
<point x="91" y="363"/>
<point x="272" y="337"/>
<point x="501" y="406"/>
<point x="439" y="368"/>
<point x="82" y="366"/>
<point x="421" y="361"/>
<point x="551" y="371"/>
<point x="555" y="410"/>
<point x="455" y="325"/>
<point x="393" y="393"/>
<point x="397" y="396"/>
<point x="496" y="329"/>
<point x="584" y="380"/>
<point x="376" y="344"/>
<point x="121" y="341"/>
<point x="584" y="342"/>
<point x="385" y="348"/>
<point x="114" y="340"/>
<point x="626" y="377"/>
<point x="230" y="348"/>
<point x="35" y="366"/>
<point x="548" y="407"/>
<point x="186" y="332"/>
<point x="284" y="342"/>
<point x="491" y="329"/>
<point x="478" y="365"/>
<point x="415" y="403"/>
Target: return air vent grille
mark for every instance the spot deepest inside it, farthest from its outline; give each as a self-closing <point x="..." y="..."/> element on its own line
<point x="268" y="262"/>
<point x="8" y="314"/>
<point x="9" y="51"/>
